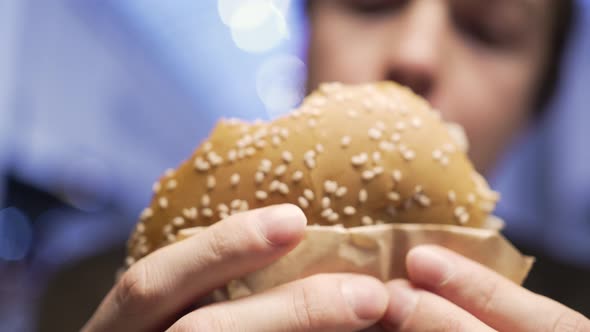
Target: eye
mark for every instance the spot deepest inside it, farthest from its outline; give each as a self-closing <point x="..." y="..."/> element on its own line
<point x="490" y="32"/>
<point x="375" y="7"/>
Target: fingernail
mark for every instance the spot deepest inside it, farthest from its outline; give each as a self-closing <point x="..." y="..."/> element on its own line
<point x="402" y="301"/>
<point x="366" y="296"/>
<point x="282" y="224"/>
<point x="429" y="267"/>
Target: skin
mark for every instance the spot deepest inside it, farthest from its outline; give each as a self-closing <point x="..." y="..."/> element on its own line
<point x="477" y="61"/>
<point x="484" y="78"/>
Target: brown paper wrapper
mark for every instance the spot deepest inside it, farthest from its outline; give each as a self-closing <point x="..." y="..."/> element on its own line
<point x="379" y="251"/>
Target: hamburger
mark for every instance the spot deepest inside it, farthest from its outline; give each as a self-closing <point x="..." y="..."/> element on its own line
<point x="350" y="155"/>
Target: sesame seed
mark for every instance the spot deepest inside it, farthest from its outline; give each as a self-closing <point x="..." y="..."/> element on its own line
<point x="265" y="165"/>
<point x="380" y="125"/>
<point x="167" y="229"/>
<point x="163" y="202"/>
<point x="366" y="220"/>
<point x="280" y="170"/>
<point x="287" y="156"/>
<point x="146" y="214"/>
<point x="303" y="202"/>
<point x="448" y="147"/>
<point x="349" y="210"/>
<point x="258" y="177"/>
<point x="423" y="200"/>
<point x="207" y="212"/>
<point x="437" y="154"/>
<point x="396" y="137"/>
<point x="169" y="172"/>
<point x="274" y="185"/>
<point x="452" y="196"/>
<point x="386" y="146"/>
<point x="326" y="212"/>
<point x="250" y="151"/>
<point x="359" y="159"/>
<point x="232" y="155"/>
<point x="178" y="221"/>
<point x="416" y="122"/>
<point x="259" y="144"/>
<point x="284" y="133"/>
<point x="211" y="182"/>
<point x="333" y="217"/>
<point x="205" y="200"/>
<point x="244" y="205"/>
<point x="345" y="141"/>
<point x="409" y="155"/>
<point x="201" y="165"/>
<point x="487" y="206"/>
<point x="234" y="179"/>
<point x="376" y="156"/>
<point x="375" y="134"/>
<point x="191" y="213"/>
<point x="367" y="175"/>
<point x="319" y="148"/>
<point x="464" y="218"/>
<point x="378" y="170"/>
<point x="261" y="195"/>
<point x="309" y="154"/>
<point x="222" y="207"/>
<point x="363" y="195"/>
<point x="241" y="154"/>
<point x="460" y="210"/>
<point x="444" y="161"/>
<point x="275" y="130"/>
<point x="297" y="176"/>
<point x="143" y="249"/>
<point x="156" y="187"/>
<point x="276" y="141"/>
<point x="393" y="196"/>
<point x="235" y="204"/>
<point x="283" y="188"/>
<point x="396" y="174"/>
<point x="400" y="126"/>
<point x="310" y="163"/>
<point x="352" y="113"/>
<point x="129" y="261"/>
<point x="330" y="186"/>
<point x="140" y="227"/>
<point x="307" y="193"/>
<point x="325" y="202"/>
<point x="340" y="192"/>
<point x="223" y="215"/>
<point x="471" y="198"/>
<point x="312" y="123"/>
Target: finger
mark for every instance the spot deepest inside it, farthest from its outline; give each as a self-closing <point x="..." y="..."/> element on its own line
<point x="495" y="300"/>
<point x="411" y="310"/>
<point x="328" y="302"/>
<point x="170" y="278"/>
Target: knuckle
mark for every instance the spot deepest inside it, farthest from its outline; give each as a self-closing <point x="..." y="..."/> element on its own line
<point x="570" y="321"/>
<point x="133" y="292"/>
<point x="309" y="312"/>
<point x="486" y="297"/>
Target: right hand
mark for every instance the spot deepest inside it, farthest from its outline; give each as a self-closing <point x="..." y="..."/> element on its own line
<point x="152" y="293"/>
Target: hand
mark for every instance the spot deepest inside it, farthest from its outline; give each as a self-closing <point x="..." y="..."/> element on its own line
<point x="152" y="293"/>
<point x="448" y="292"/>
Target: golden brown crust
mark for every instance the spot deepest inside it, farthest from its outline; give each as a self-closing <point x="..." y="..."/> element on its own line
<point x="352" y="155"/>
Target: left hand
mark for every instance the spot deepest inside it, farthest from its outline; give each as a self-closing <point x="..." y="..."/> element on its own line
<point x="448" y="292"/>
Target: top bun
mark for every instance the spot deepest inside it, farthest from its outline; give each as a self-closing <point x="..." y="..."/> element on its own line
<point x="350" y="154"/>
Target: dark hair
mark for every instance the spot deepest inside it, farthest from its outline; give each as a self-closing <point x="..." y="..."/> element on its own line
<point x="564" y="17"/>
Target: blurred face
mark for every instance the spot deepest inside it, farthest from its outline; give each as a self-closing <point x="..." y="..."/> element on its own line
<point x="479" y="62"/>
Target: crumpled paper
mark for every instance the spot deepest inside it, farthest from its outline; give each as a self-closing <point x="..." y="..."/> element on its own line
<point x="379" y="251"/>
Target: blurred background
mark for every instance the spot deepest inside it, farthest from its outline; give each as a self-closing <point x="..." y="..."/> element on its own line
<point x="97" y="98"/>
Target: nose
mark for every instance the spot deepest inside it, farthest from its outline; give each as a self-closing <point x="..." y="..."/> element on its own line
<point x="415" y="49"/>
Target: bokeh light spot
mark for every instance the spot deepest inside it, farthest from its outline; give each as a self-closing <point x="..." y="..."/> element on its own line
<point x="16" y="234"/>
<point x="280" y="83"/>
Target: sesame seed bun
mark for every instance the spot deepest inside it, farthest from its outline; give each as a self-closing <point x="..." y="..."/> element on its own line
<point x="351" y="154"/>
